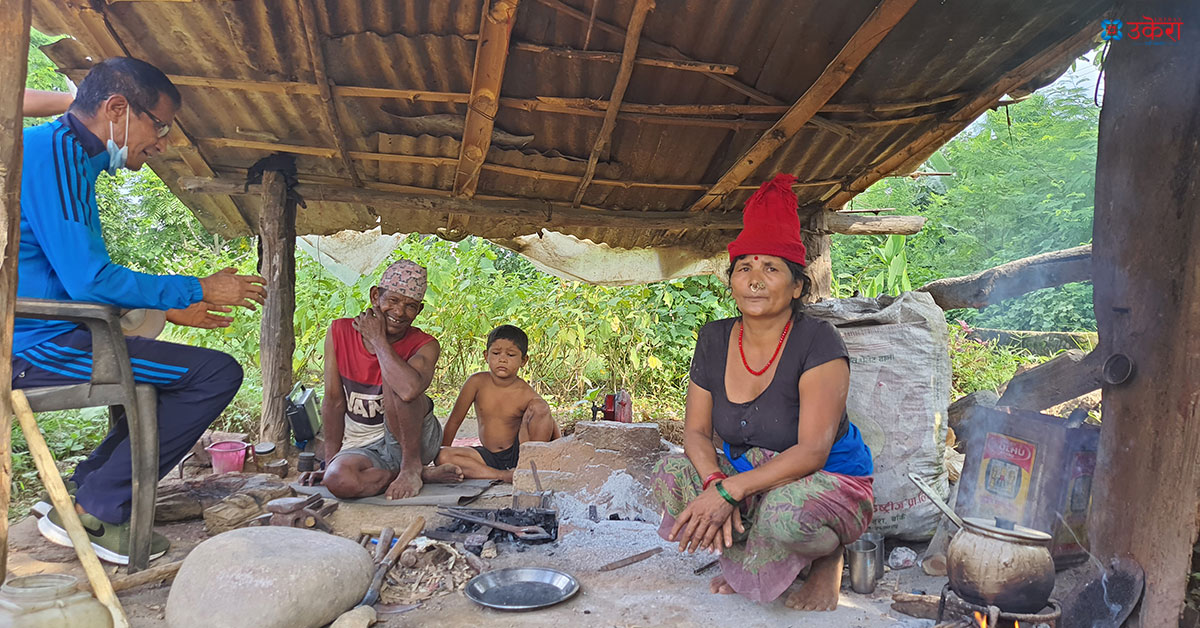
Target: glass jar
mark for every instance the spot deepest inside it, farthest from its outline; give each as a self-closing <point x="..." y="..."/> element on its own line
<point x="50" y="600"/>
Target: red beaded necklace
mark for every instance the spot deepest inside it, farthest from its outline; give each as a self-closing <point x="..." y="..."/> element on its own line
<point x="742" y="330"/>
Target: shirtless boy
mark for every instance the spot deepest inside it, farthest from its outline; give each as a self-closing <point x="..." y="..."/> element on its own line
<point x="508" y="410"/>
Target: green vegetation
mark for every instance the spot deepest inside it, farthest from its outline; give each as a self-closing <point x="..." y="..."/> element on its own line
<point x="1023" y="184"/>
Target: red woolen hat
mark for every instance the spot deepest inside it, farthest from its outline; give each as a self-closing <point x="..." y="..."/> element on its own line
<point x="770" y="223"/>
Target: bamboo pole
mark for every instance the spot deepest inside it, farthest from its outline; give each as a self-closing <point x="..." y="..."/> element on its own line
<point x="491" y="57"/>
<point x="604" y="138"/>
<point x="52" y="481"/>
<point x="14" y="53"/>
<point x="329" y="105"/>
<point x="864" y="40"/>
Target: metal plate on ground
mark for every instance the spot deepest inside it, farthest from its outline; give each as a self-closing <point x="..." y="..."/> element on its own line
<point x="521" y="588"/>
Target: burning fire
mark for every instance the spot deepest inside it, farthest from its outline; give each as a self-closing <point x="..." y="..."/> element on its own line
<point x="983" y="621"/>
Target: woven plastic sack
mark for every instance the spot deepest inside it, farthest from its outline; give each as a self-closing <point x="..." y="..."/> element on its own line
<point x="899" y="392"/>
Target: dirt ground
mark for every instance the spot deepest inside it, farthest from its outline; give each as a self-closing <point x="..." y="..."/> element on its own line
<point x="660" y="591"/>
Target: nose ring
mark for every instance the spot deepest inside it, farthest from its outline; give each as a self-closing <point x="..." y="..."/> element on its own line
<point x="756" y="286"/>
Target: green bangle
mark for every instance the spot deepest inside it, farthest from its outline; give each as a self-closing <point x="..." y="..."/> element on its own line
<point x="725" y="494"/>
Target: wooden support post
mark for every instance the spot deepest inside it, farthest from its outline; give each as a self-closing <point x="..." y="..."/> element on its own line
<point x="1146" y="264"/>
<point x="14" y="53"/>
<point x="818" y="247"/>
<point x="604" y="139"/>
<point x="491" y="55"/>
<point x="277" y="228"/>
<point x="873" y="31"/>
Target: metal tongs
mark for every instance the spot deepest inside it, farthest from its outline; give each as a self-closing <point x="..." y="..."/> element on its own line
<point x="525" y="533"/>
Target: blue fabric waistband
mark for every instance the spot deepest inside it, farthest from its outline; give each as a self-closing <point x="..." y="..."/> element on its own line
<point x="848" y="456"/>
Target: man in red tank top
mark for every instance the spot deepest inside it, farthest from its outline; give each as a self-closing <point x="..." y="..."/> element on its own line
<point x="380" y="430"/>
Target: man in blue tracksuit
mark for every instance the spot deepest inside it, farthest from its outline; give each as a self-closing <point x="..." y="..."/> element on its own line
<point x="121" y="116"/>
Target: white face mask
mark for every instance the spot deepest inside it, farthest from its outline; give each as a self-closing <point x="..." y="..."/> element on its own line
<point x="117" y="156"/>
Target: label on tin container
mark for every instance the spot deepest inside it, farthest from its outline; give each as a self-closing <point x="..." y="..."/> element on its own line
<point x="1073" y="529"/>
<point x="1005" y="474"/>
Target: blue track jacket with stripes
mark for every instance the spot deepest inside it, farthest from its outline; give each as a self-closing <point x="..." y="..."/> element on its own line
<point x="62" y="254"/>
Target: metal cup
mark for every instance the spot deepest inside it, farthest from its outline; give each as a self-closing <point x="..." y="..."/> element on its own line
<point x="877" y="539"/>
<point x="861" y="556"/>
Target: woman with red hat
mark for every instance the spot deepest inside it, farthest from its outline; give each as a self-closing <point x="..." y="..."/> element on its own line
<point x="792" y="483"/>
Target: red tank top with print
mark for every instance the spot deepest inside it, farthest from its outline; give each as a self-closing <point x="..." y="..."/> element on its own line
<point x="362" y="380"/>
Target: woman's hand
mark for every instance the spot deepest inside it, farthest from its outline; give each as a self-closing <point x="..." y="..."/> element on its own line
<point x="705" y="523"/>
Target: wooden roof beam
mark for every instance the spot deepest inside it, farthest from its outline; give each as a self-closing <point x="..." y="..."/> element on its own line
<point x="550" y="215"/>
<point x="912" y="155"/>
<point x="491" y="54"/>
<point x="615" y="57"/>
<point x="329" y="110"/>
<point x="425" y="160"/>
<point x="637" y="20"/>
<point x="876" y="27"/>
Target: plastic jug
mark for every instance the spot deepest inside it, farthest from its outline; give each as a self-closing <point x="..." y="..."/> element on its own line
<point x="50" y="600"/>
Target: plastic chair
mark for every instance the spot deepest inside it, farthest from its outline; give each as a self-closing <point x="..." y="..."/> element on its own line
<point x="111" y="385"/>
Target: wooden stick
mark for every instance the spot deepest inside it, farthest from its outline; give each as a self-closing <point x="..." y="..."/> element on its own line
<point x="329" y="111"/>
<point x="601" y="148"/>
<point x="547" y="214"/>
<point x="915" y="605"/>
<point x="161" y="573"/>
<point x="873" y="31"/>
<point x="891" y="106"/>
<point x="916" y="152"/>
<point x="673" y="110"/>
<point x="615" y="57"/>
<point x="385" y="543"/>
<point x="660" y="50"/>
<point x="52" y="481"/>
<point x="636" y="558"/>
<point x="14" y="53"/>
<point x="491" y="57"/>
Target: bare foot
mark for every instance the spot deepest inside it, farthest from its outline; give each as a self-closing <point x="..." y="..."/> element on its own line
<point x="442" y="474"/>
<point x="718" y="585"/>
<point x="820" y="590"/>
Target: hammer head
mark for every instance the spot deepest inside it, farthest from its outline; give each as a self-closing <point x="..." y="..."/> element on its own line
<point x="285" y="505"/>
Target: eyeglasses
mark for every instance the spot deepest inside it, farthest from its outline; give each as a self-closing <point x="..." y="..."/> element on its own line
<point x="160" y="127"/>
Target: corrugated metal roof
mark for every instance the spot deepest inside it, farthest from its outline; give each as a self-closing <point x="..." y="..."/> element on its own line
<point x="779" y="47"/>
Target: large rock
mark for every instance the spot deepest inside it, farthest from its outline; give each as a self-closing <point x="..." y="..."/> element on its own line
<point x="604" y="463"/>
<point x="268" y="577"/>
